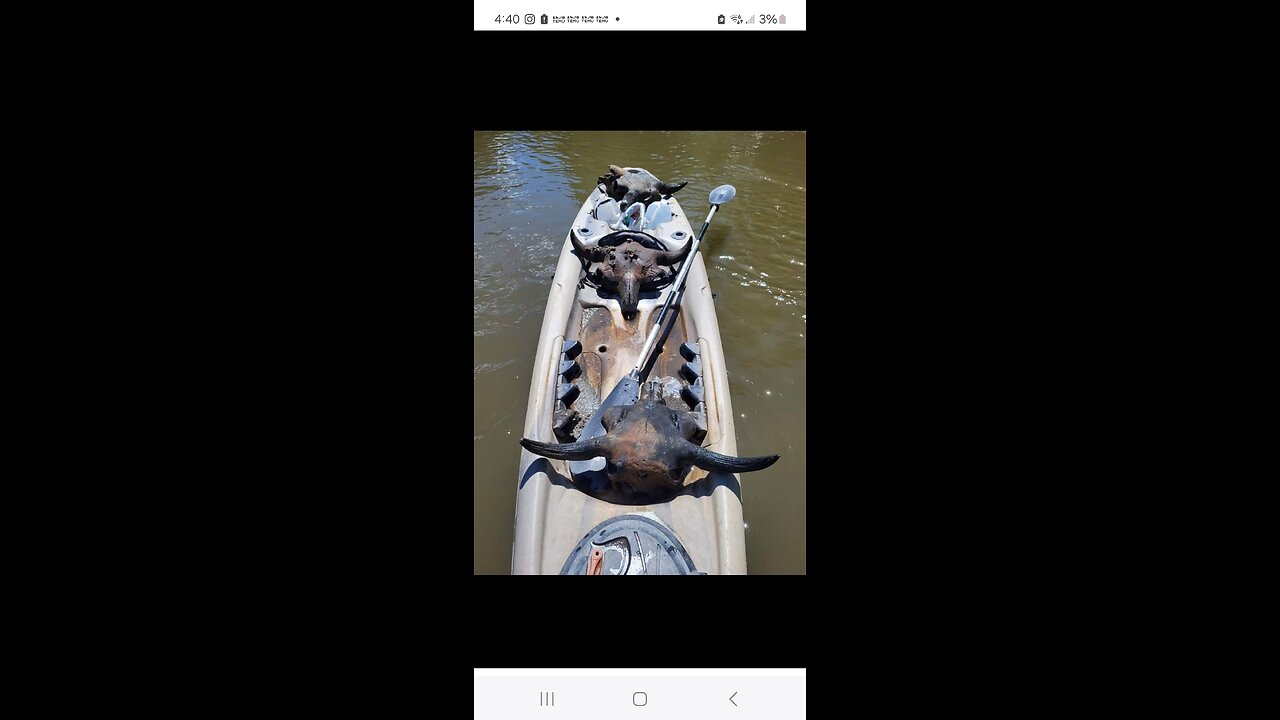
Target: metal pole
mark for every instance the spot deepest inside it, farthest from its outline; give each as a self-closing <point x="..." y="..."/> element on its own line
<point x="671" y="294"/>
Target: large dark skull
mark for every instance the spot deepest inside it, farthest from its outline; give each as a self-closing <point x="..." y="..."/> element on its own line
<point x="628" y="265"/>
<point x="648" y="447"/>
<point x="629" y="185"/>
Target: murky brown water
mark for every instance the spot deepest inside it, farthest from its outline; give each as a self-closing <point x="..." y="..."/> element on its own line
<point x="528" y="188"/>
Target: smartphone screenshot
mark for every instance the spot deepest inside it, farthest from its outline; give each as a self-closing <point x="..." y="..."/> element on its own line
<point x="639" y="316"/>
<point x="638" y="693"/>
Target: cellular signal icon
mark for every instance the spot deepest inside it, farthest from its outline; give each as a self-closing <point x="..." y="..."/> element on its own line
<point x="751" y="19"/>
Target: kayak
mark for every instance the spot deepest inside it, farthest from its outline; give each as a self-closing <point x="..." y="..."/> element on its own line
<point x="567" y="520"/>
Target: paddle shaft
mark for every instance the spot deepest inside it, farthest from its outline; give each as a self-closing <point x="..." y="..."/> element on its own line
<point x="671" y="295"/>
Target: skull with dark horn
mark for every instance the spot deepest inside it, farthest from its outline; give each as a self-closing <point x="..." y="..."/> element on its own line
<point x="629" y="262"/>
<point x="648" y="447"/>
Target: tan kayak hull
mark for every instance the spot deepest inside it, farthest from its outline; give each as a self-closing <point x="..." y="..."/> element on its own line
<point x="553" y="515"/>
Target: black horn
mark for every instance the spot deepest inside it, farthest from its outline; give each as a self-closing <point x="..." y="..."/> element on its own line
<point x="581" y="450"/>
<point x="593" y="254"/>
<point x="709" y="460"/>
<point x="671" y="189"/>
<point x="671" y="258"/>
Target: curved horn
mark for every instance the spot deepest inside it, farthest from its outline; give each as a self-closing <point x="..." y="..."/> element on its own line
<point x="671" y="189"/>
<point x="671" y="258"/>
<point x="593" y="254"/>
<point x="708" y="460"/>
<point x="617" y="171"/>
<point x="581" y="450"/>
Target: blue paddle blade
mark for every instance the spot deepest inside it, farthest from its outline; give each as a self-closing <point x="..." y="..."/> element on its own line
<point x="722" y="194"/>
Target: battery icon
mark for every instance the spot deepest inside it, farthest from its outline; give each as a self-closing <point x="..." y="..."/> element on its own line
<point x="782" y="19"/>
<point x="544" y="19"/>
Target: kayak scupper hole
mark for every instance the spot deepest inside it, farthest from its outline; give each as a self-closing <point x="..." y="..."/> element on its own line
<point x="603" y="348"/>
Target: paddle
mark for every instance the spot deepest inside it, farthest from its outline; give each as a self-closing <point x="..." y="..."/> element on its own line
<point x="627" y="391"/>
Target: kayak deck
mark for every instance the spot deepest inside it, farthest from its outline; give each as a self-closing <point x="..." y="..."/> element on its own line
<point x="554" y="510"/>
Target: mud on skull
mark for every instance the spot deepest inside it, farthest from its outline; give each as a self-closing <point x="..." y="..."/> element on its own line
<point x="628" y="185"/>
<point x="628" y="266"/>
<point x="648" y="448"/>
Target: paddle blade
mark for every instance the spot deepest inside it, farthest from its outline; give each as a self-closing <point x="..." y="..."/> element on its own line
<point x="723" y="194"/>
<point x="626" y="392"/>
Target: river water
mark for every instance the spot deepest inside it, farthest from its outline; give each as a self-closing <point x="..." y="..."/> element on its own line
<point x="528" y="188"/>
